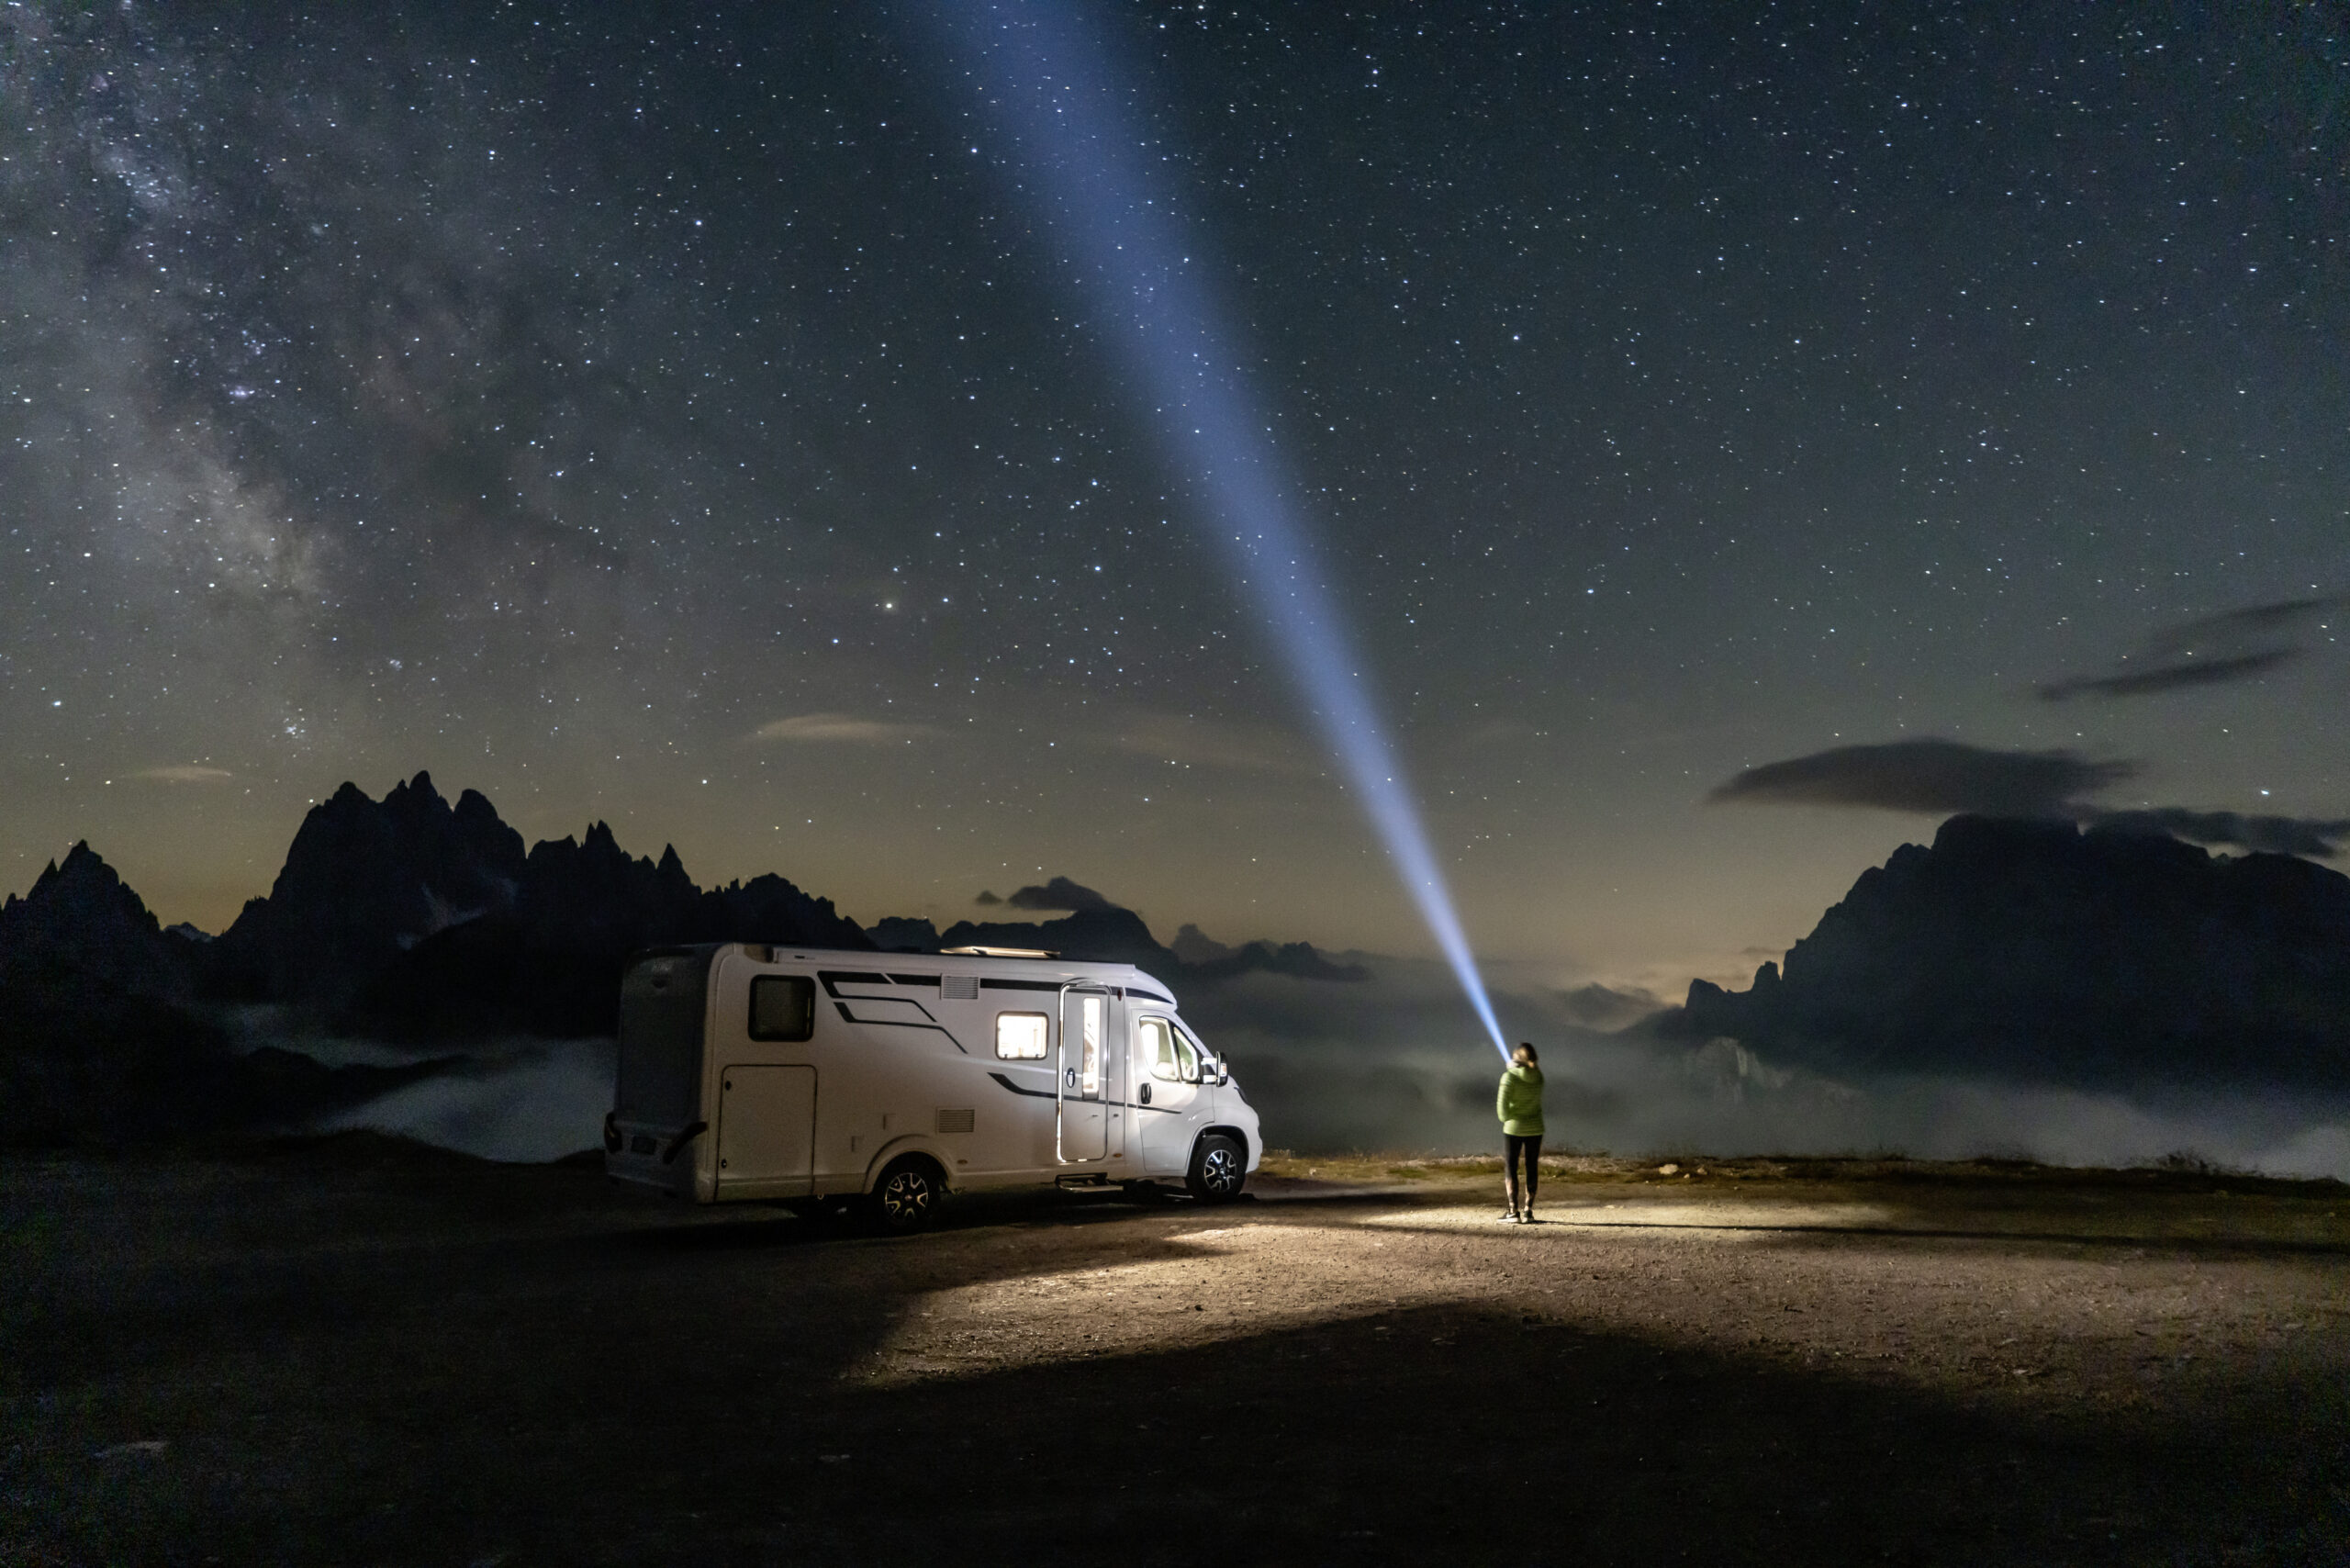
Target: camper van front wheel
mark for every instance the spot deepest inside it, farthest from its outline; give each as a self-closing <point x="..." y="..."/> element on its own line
<point x="1218" y="1168"/>
<point x="908" y="1196"/>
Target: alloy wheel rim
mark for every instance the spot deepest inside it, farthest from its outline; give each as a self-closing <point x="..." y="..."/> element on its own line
<point x="1217" y="1168"/>
<point x="906" y="1195"/>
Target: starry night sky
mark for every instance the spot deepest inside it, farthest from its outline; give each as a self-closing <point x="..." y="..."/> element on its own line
<point x="687" y="416"/>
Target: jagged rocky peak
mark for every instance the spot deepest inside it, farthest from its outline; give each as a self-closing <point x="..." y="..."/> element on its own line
<point x="2031" y="946"/>
<point x="81" y="918"/>
<point x="364" y="880"/>
<point x="902" y="934"/>
<point x="1196" y="946"/>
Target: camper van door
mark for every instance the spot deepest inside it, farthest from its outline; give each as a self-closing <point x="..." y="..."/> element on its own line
<point x="1084" y="1076"/>
<point x="1166" y="1095"/>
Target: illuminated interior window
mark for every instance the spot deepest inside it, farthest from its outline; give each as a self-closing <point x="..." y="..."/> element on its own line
<point x="1091" y="1011"/>
<point x="1171" y="1056"/>
<point x="1159" y="1047"/>
<point x="1021" y="1037"/>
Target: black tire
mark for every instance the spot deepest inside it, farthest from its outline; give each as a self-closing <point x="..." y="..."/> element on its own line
<point x="1219" y="1169"/>
<point x="909" y="1197"/>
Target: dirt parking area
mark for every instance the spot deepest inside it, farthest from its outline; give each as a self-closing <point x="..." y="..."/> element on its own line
<point x="363" y="1352"/>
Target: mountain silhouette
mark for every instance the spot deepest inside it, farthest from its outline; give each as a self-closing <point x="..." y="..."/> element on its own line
<point x="99" y="1043"/>
<point x="81" y="928"/>
<point x="1103" y="934"/>
<point x="451" y="946"/>
<point x="364" y="881"/>
<point x="2031" y="949"/>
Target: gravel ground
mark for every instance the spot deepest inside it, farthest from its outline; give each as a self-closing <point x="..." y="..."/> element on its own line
<point x="363" y="1352"/>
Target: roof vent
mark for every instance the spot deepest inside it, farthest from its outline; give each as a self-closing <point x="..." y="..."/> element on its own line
<point x="999" y="953"/>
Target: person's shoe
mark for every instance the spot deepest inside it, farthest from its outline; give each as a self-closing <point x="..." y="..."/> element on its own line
<point x="1509" y="1217"/>
<point x="1528" y="1219"/>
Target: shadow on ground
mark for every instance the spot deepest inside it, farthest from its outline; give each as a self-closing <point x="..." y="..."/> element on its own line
<point x="302" y="1358"/>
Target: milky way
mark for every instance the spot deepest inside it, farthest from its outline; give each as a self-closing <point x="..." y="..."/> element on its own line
<point x="682" y="422"/>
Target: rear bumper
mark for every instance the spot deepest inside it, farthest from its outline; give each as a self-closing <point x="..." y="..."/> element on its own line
<point x="645" y="1155"/>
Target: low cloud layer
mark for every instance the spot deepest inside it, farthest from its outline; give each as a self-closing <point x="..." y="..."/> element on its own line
<point x="2216" y="650"/>
<point x="1937" y="776"/>
<point x="1396" y="1064"/>
<point x="2317" y="837"/>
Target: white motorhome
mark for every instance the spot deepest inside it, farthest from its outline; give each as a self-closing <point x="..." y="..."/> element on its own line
<point x="809" y="1076"/>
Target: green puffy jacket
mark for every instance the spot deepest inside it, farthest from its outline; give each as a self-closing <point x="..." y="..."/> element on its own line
<point x="1520" y="1104"/>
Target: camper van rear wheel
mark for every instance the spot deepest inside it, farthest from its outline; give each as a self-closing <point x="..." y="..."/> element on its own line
<point x="1218" y="1168"/>
<point x="908" y="1196"/>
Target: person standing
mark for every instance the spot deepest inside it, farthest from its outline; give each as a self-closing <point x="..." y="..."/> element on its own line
<point x="1519" y="1105"/>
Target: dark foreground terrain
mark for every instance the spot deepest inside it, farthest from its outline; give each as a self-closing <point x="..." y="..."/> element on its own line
<point x="363" y="1352"/>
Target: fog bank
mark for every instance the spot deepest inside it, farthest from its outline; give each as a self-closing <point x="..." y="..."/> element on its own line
<point x="1397" y="1063"/>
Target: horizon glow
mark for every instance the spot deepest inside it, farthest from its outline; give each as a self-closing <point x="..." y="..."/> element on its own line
<point x="1044" y="79"/>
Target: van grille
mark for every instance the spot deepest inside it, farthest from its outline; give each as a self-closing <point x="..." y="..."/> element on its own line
<point x="958" y="988"/>
<point x="955" y="1121"/>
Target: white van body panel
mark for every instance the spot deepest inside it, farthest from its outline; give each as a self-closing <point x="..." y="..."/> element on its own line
<point x="901" y="1053"/>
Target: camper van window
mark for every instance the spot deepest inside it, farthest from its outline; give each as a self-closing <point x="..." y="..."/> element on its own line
<point x="1171" y="1056"/>
<point x="1159" y="1047"/>
<point x="783" y="1007"/>
<point x="1020" y="1036"/>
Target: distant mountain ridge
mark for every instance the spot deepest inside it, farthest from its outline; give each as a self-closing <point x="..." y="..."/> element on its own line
<point x="2034" y="949"/>
<point x="410" y="918"/>
<point x="97" y="1039"/>
<point x="1106" y="932"/>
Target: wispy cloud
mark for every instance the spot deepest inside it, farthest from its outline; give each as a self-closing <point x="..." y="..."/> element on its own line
<point x="186" y="773"/>
<point x="2182" y="676"/>
<point x="840" y="729"/>
<point x="2213" y="650"/>
<point x="1946" y="778"/>
<point x="1927" y="775"/>
<point x="1200" y="743"/>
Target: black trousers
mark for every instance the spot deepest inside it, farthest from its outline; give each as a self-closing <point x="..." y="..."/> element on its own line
<point x="1528" y="1147"/>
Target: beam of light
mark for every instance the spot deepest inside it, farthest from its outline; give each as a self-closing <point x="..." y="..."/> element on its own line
<point x="1047" y="90"/>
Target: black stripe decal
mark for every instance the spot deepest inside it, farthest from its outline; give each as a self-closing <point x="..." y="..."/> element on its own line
<point x="894" y="1023"/>
<point x="1034" y="1093"/>
<point x="1047" y="1094"/>
<point x="1018" y="985"/>
<point x="914" y="979"/>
